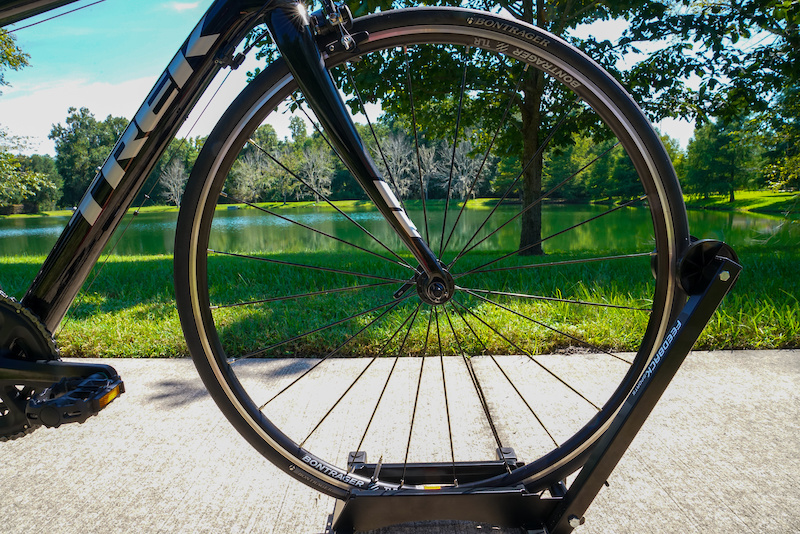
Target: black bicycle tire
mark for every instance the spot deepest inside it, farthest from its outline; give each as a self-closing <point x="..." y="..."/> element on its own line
<point x="421" y="25"/>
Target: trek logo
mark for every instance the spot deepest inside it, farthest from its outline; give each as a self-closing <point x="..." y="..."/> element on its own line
<point x="158" y="101"/>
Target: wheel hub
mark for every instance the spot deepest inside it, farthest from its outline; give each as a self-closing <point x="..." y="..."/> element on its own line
<point x="435" y="291"/>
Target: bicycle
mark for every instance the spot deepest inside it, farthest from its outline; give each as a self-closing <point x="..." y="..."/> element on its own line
<point x="426" y="293"/>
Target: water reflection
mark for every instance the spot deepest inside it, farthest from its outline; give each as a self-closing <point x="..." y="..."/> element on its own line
<point x="250" y="229"/>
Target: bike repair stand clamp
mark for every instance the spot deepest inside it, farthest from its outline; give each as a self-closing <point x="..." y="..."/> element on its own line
<point x="708" y="270"/>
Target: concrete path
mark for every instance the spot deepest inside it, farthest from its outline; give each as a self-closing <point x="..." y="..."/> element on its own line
<point x="720" y="454"/>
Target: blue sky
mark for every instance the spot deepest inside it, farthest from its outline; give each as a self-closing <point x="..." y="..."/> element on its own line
<point x="107" y="58"/>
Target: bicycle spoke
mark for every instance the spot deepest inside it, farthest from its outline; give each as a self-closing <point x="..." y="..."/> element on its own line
<point x="529" y="207"/>
<point x="416" y="401"/>
<point x="259" y="352"/>
<point x="550" y="299"/>
<point x="476" y="384"/>
<point x="423" y="191"/>
<point x="510" y="188"/>
<point x="305" y="266"/>
<point x="557" y="263"/>
<point x="299" y="296"/>
<point x="513" y="386"/>
<point x="361" y="374"/>
<point x="453" y="157"/>
<point x="486" y="156"/>
<point x="377" y="141"/>
<point x="332" y="352"/>
<point x="553" y="329"/>
<point x="312" y="229"/>
<point x="523" y="351"/>
<point x="551" y="236"/>
<point x="413" y="317"/>
<point x="446" y="401"/>
<point x="329" y="202"/>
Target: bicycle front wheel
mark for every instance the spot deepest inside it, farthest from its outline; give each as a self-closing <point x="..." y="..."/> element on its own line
<point x="304" y="318"/>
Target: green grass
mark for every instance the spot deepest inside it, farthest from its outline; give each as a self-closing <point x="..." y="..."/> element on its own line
<point x="755" y="201"/>
<point x="129" y="310"/>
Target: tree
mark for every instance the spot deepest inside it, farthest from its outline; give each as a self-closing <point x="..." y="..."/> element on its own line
<point x="464" y="178"/>
<point x="251" y="171"/>
<point x="315" y="168"/>
<point x="249" y="176"/>
<point x="721" y="157"/>
<point x="396" y="163"/>
<point x="173" y="180"/>
<point x="179" y="149"/>
<point x="47" y="197"/>
<point x="266" y="138"/>
<point x="430" y="167"/>
<point x="281" y="176"/>
<point x="11" y="56"/>
<point x="623" y="180"/>
<point x="18" y="186"/>
<point x="781" y="133"/>
<point x="81" y="148"/>
<point x="297" y="127"/>
<point x="563" y="165"/>
<point x="684" y="38"/>
<point x="23" y="179"/>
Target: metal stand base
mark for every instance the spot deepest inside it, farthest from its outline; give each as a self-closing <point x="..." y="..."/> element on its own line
<point x="708" y="272"/>
<point x="505" y="507"/>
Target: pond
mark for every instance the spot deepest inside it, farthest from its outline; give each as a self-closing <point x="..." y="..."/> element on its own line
<point x="249" y="229"/>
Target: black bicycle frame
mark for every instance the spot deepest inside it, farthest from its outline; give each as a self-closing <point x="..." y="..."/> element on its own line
<point x="210" y="47"/>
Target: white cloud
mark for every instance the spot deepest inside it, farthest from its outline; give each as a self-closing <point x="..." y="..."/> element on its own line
<point x="183" y="6"/>
<point x="33" y="111"/>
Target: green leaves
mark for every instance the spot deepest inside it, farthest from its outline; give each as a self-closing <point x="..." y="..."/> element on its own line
<point x="81" y="146"/>
<point x="11" y="56"/>
<point x="25" y="179"/>
<point x="17" y="185"/>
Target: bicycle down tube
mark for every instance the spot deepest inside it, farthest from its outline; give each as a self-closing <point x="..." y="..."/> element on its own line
<point x="210" y="47"/>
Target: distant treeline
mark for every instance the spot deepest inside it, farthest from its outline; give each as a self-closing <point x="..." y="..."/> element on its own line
<point x="723" y="156"/>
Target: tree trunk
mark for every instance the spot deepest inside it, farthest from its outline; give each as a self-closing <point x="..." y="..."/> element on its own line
<point x="530" y="108"/>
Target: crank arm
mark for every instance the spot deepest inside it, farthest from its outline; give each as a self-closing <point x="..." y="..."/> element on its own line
<point x="48" y="372"/>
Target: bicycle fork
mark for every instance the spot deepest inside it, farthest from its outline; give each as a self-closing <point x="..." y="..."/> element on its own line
<point x="292" y="33"/>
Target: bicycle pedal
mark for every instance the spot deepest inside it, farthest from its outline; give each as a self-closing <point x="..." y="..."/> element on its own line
<point x="73" y="400"/>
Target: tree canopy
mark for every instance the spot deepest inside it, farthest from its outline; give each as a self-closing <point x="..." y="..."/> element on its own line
<point x="81" y="147"/>
<point x="29" y="180"/>
<point x="11" y="56"/>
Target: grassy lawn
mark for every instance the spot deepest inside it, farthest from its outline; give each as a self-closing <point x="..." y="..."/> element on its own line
<point x="755" y="201"/>
<point x="129" y="310"/>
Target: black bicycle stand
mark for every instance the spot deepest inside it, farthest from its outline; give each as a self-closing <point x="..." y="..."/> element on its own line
<point x="708" y="271"/>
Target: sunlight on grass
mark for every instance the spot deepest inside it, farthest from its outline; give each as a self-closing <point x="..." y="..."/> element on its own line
<point x="129" y="310"/>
